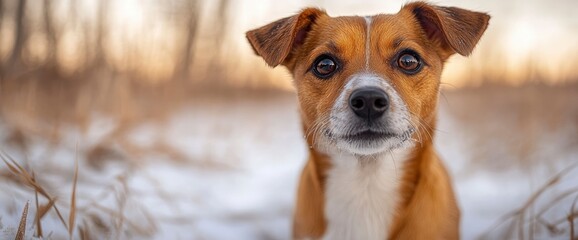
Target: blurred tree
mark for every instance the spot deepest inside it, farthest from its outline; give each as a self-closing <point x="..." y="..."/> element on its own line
<point x="73" y="12"/>
<point x="221" y="22"/>
<point x="1" y="39"/>
<point x="81" y="40"/>
<point x="51" y="34"/>
<point x="99" y="60"/>
<point x="192" y="15"/>
<point x="20" y="36"/>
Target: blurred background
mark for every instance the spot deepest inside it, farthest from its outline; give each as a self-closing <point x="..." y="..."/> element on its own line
<point x="155" y="120"/>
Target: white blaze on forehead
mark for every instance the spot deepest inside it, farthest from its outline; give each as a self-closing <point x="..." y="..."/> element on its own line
<point x="367" y="37"/>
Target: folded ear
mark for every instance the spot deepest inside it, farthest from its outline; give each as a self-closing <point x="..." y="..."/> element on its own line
<point x="275" y="41"/>
<point x="453" y="29"/>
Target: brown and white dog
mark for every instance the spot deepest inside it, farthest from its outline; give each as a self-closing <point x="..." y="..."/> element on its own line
<point x="368" y="89"/>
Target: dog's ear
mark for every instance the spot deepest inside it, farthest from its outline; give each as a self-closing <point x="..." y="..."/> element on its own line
<point x="275" y="41"/>
<point x="453" y="29"/>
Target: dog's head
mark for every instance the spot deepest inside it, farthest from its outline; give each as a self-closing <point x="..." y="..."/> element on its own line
<point x="368" y="85"/>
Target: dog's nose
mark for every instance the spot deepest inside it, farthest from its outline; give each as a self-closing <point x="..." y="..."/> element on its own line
<point x="369" y="103"/>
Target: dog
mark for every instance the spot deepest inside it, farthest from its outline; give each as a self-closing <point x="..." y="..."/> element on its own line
<point x="368" y="89"/>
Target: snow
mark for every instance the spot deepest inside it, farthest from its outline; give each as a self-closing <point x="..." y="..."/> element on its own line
<point x="228" y="170"/>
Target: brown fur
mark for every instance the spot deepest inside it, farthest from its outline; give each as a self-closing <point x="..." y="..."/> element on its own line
<point x="428" y="209"/>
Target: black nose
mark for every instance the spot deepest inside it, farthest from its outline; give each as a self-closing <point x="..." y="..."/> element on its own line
<point x="369" y="103"/>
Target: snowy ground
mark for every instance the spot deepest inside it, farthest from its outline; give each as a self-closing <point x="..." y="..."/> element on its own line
<point x="227" y="169"/>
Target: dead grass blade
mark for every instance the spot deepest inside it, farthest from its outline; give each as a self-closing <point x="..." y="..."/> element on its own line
<point x="571" y="218"/>
<point x="43" y="209"/>
<point x="553" y="181"/>
<point x="556" y="200"/>
<point x="121" y="198"/>
<point x="36" y="218"/>
<point x="23" y="174"/>
<point x="153" y="226"/>
<point x="519" y="215"/>
<point x="72" y="215"/>
<point x="134" y="227"/>
<point x="22" y="225"/>
<point x="83" y="231"/>
<point x="28" y="179"/>
<point x="60" y="215"/>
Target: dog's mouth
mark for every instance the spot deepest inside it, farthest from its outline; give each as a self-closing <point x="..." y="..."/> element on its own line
<point x="368" y="135"/>
<point x="373" y="136"/>
<point x="368" y="141"/>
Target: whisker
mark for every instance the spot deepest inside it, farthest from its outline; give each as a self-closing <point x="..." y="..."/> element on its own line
<point x="316" y="129"/>
<point x="394" y="164"/>
<point x="414" y="126"/>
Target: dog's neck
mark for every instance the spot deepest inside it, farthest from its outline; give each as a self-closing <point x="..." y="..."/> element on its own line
<point x="362" y="194"/>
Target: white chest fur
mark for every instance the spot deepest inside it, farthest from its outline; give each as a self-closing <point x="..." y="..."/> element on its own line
<point x="361" y="196"/>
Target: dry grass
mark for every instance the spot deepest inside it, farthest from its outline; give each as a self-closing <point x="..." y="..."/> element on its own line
<point x="518" y="129"/>
<point x="34" y="112"/>
<point x="38" y="107"/>
<point x="72" y="211"/>
<point x="504" y="121"/>
<point x="22" y="226"/>
<point x="522" y="223"/>
<point x="91" y="213"/>
<point x="27" y="178"/>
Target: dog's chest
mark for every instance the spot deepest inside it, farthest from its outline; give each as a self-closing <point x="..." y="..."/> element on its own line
<point x="361" y="196"/>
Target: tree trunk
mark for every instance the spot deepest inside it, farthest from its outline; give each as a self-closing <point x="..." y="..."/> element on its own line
<point x="19" y="36"/>
<point x="100" y="54"/>
<point x="1" y="33"/>
<point x="221" y="23"/>
<point x="51" y="36"/>
<point x="182" y="67"/>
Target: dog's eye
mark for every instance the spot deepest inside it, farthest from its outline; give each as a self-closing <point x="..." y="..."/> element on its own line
<point x="409" y="62"/>
<point x="324" y="66"/>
